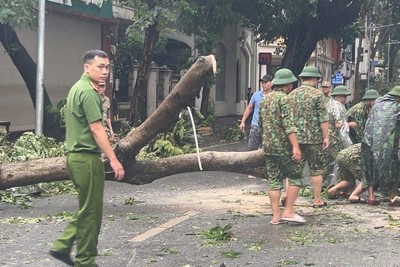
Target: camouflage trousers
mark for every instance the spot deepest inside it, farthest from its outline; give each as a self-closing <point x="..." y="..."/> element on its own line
<point x="280" y="167"/>
<point x="313" y="154"/>
<point x="348" y="161"/>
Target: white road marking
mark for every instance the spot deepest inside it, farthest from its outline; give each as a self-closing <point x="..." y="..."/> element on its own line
<point x="154" y="231"/>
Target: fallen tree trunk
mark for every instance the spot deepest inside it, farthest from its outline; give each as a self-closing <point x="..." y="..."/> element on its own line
<point x="54" y="169"/>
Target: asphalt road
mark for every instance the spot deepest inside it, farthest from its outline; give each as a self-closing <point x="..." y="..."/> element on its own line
<point x="161" y="224"/>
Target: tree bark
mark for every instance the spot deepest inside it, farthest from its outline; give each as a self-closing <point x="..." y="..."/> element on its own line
<point x="45" y="170"/>
<point x="301" y="42"/>
<point x="27" y="68"/>
<point x="138" y="109"/>
<point x="143" y="172"/>
<point x="302" y="37"/>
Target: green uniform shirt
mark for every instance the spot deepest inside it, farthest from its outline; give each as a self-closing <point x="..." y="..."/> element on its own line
<point x="276" y="121"/>
<point x="359" y="114"/>
<point x="310" y="112"/>
<point x="83" y="107"/>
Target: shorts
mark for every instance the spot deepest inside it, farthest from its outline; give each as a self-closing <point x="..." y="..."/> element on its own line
<point x="314" y="155"/>
<point x="280" y="167"/>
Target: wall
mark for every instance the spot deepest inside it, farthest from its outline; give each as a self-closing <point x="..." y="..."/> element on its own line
<point x="66" y="39"/>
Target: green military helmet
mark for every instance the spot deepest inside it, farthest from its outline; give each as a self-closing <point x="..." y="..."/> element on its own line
<point x="311" y="72"/>
<point x="395" y="91"/>
<point x="340" y="90"/>
<point x="371" y="94"/>
<point x="283" y="76"/>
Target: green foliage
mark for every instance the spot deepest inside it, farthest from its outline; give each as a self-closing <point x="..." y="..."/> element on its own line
<point x="218" y="233"/>
<point x="148" y="13"/>
<point x="59" y="217"/>
<point x="170" y="251"/>
<point x="8" y="197"/>
<point x="232" y="134"/>
<point x="19" y="13"/>
<point x="302" y="237"/>
<point x="230" y="254"/>
<point x="306" y="191"/>
<point x="257" y="246"/>
<point x="131" y="201"/>
<point x="272" y="19"/>
<point x="206" y="19"/>
<point x="30" y="146"/>
<point x="58" y="111"/>
<point x="176" y="142"/>
<point x="58" y="188"/>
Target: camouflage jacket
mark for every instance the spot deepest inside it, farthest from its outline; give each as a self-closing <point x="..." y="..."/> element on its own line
<point x="310" y="112"/>
<point x="276" y="121"/>
<point x="326" y="99"/>
<point x="359" y="114"/>
<point x="382" y="123"/>
<point x="350" y="158"/>
<point x="381" y="134"/>
<point x="106" y="107"/>
<point x="337" y="114"/>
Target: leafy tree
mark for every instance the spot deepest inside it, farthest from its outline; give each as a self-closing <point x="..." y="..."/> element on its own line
<point x="149" y="17"/>
<point x="302" y="23"/>
<point x="206" y="20"/>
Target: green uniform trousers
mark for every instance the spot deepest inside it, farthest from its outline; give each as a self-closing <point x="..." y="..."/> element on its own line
<point x="87" y="173"/>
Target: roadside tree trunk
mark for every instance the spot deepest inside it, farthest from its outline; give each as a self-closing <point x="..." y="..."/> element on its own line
<point x="138" y="109"/>
<point x="44" y="170"/>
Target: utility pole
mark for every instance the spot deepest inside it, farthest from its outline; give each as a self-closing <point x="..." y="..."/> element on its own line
<point x="388" y="66"/>
<point x="39" y="69"/>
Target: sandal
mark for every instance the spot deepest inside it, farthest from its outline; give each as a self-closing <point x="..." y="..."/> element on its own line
<point x="358" y="200"/>
<point x="332" y="196"/>
<point x="295" y="219"/>
<point x="395" y="202"/>
<point x="275" y="223"/>
<point x="320" y="206"/>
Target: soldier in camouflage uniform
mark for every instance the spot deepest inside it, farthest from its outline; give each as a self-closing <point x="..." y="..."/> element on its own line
<point x="349" y="170"/>
<point x="358" y="114"/>
<point x="106" y="105"/>
<point x="312" y="127"/>
<point x="379" y="148"/>
<point x="326" y="90"/>
<point x="281" y="147"/>
<point x="337" y="130"/>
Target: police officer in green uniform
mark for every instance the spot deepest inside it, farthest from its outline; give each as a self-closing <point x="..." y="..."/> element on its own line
<point x="312" y="127"/>
<point x="86" y="139"/>
<point x="281" y="147"/>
